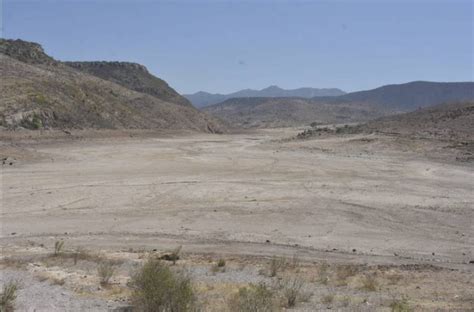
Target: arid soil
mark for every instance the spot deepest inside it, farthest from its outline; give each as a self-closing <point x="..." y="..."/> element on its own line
<point x="352" y="200"/>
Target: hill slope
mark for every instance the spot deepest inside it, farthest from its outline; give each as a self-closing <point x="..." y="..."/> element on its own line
<point x="203" y="99"/>
<point x="40" y="92"/>
<point x="409" y="96"/>
<point x="285" y="112"/>
<point x="451" y="121"/>
<point x="351" y="107"/>
<point x="132" y="76"/>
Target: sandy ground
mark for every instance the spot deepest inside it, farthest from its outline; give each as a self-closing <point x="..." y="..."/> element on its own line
<point x="341" y="199"/>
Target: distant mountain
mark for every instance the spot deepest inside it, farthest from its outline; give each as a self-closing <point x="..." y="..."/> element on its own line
<point x="409" y="96"/>
<point x="203" y="99"/>
<point x="39" y="92"/>
<point x="350" y="107"/>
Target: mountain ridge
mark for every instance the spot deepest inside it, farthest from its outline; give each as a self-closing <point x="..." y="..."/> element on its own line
<point x="351" y="107"/>
<point x="202" y="98"/>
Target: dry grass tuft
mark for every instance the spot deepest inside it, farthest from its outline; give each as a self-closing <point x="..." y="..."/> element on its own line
<point x="8" y="297"/>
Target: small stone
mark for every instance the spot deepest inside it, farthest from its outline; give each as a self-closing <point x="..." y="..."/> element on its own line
<point x="354" y="250"/>
<point x="13" y="233"/>
<point x="267" y="241"/>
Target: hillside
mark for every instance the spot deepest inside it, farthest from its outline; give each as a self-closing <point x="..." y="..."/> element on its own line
<point x="132" y="76"/>
<point x="40" y="92"/>
<point x="451" y="121"/>
<point x="285" y="112"/>
<point x="203" y="99"/>
<point x="352" y="107"/>
<point x="409" y="96"/>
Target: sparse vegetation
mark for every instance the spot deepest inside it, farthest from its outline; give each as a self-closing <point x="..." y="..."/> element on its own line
<point x="292" y="290"/>
<point x="57" y="281"/>
<point x="401" y="305"/>
<point x="158" y="288"/>
<point x="369" y="283"/>
<point x="327" y="299"/>
<point x="105" y="270"/>
<point x="35" y="122"/>
<point x="221" y="263"/>
<point x="276" y="265"/>
<point x="343" y="273"/>
<point x="254" y="298"/>
<point x="58" y="247"/>
<point x="173" y="256"/>
<point x="219" y="266"/>
<point x="323" y="275"/>
<point x="8" y="297"/>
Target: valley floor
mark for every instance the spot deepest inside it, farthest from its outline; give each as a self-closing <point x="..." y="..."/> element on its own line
<point x="350" y="200"/>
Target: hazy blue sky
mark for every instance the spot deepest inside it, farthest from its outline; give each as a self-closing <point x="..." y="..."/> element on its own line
<point x="223" y="46"/>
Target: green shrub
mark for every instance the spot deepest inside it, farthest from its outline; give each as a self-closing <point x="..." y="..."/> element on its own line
<point x="158" y="289"/>
<point x="254" y="298"/>
<point x="8" y="297"/>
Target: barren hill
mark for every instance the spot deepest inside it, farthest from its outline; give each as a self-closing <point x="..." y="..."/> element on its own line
<point x="40" y="92"/>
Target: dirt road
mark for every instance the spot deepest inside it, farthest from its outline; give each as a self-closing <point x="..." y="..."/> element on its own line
<point x="243" y="194"/>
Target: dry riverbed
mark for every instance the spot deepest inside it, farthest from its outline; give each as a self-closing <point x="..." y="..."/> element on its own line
<point x="355" y="212"/>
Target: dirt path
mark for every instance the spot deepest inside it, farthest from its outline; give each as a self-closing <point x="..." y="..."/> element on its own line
<point x="242" y="194"/>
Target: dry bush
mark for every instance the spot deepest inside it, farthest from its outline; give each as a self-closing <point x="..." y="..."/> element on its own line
<point x="57" y="281"/>
<point x="173" y="256"/>
<point x="276" y="265"/>
<point x="158" y="289"/>
<point x="295" y="261"/>
<point x="393" y="279"/>
<point x="105" y="271"/>
<point x="292" y="290"/>
<point x="343" y="273"/>
<point x="369" y="283"/>
<point x="323" y="274"/>
<point x="221" y="263"/>
<point x="328" y="299"/>
<point x="219" y="266"/>
<point x="254" y="298"/>
<point x="400" y="305"/>
<point x="8" y="297"/>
